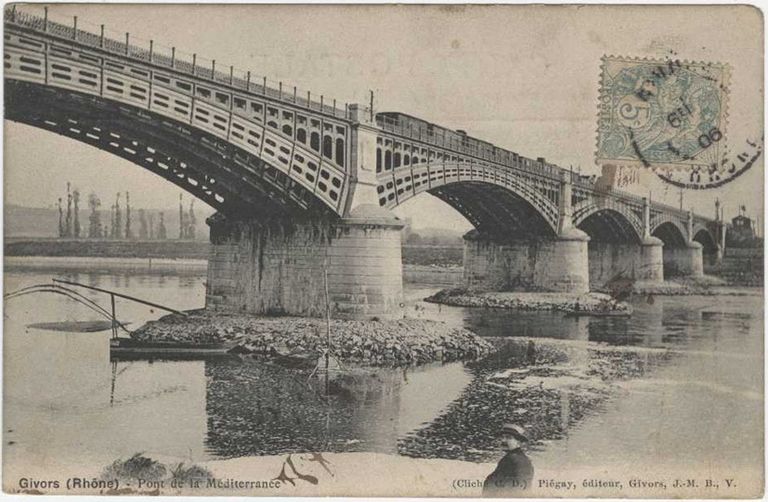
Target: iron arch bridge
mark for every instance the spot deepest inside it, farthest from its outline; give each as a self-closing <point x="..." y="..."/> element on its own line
<point x="243" y="146"/>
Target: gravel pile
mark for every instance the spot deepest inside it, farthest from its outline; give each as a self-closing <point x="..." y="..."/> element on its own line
<point x="379" y="343"/>
<point x="522" y="300"/>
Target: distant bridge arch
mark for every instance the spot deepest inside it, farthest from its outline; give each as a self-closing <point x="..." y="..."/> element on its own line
<point x="609" y="223"/>
<point x="671" y="232"/>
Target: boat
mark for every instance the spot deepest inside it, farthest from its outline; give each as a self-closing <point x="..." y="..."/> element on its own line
<point x="128" y="348"/>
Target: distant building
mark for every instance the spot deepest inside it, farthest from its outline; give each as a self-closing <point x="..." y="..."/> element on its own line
<point x="741" y="233"/>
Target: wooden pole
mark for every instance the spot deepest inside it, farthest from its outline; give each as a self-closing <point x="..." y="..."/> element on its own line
<point x="120" y="295"/>
<point x="114" y="316"/>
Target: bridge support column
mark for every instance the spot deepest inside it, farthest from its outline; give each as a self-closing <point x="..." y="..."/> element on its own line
<point x="641" y="262"/>
<point x="684" y="261"/>
<point x="277" y="267"/>
<point x="649" y="265"/>
<point x="533" y="265"/>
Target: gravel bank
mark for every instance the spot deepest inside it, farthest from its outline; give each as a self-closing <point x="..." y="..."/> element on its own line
<point x="521" y="300"/>
<point x="376" y="343"/>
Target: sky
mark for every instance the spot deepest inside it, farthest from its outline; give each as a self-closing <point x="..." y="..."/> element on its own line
<point x="523" y="77"/>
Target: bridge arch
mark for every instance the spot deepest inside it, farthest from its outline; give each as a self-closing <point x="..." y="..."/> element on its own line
<point x="605" y="224"/>
<point x="672" y="233"/>
<point x="709" y="247"/>
<point x="499" y="205"/>
<point x="234" y="150"/>
<point x="195" y="161"/>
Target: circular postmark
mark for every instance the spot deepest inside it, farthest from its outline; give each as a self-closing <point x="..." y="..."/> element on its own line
<point x="669" y="116"/>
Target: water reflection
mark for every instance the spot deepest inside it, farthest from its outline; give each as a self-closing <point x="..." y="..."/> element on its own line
<point x="261" y="408"/>
<point x="550" y="375"/>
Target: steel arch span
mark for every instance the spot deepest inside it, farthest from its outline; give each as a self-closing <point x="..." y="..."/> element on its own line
<point x="227" y="146"/>
<point x="616" y="223"/>
<point x="498" y="202"/>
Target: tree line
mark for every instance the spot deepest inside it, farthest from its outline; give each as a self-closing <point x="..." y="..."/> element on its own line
<point x="121" y="225"/>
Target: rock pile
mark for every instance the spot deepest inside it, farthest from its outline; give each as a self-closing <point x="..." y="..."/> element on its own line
<point x="380" y="343"/>
<point x="514" y="300"/>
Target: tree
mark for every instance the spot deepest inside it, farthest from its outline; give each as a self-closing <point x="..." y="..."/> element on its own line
<point x="181" y="217"/>
<point x="94" y="219"/>
<point x="191" y="221"/>
<point x="161" y="231"/>
<point x="118" y="226"/>
<point x="76" y="200"/>
<point x="61" y="219"/>
<point x="68" y="221"/>
<point x="128" y="233"/>
<point x="143" y="233"/>
<point x="152" y="233"/>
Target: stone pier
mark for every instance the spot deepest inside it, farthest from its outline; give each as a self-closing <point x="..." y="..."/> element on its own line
<point x="277" y="266"/>
<point x="640" y="262"/>
<point x="684" y="261"/>
<point x="531" y="265"/>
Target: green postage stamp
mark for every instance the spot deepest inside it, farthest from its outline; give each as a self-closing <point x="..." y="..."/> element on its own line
<point x="662" y="114"/>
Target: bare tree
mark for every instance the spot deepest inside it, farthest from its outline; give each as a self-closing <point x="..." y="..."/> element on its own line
<point x="161" y="231"/>
<point x="61" y="219"/>
<point x="76" y="200"/>
<point x="143" y="233"/>
<point x="68" y="221"/>
<point x="94" y="219"/>
<point x="128" y="233"/>
<point x="118" y="226"/>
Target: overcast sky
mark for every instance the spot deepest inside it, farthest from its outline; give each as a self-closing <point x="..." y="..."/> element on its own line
<point x="525" y="78"/>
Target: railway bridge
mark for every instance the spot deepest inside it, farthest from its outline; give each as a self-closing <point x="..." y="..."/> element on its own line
<point x="304" y="186"/>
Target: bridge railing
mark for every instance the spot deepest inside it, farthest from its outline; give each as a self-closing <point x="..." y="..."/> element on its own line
<point x="125" y="45"/>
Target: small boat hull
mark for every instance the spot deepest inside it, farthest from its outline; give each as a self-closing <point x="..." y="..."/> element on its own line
<point x="128" y="348"/>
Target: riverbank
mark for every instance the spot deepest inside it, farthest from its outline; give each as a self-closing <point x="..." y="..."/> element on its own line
<point x="374" y="343"/>
<point x="97" y="264"/>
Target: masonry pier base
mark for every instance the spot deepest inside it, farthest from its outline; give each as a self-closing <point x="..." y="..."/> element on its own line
<point x="277" y="266"/>
<point x="686" y="261"/>
<point x="641" y="262"/>
<point x="558" y="265"/>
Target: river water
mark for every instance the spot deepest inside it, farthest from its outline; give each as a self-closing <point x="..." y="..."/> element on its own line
<point x="679" y="383"/>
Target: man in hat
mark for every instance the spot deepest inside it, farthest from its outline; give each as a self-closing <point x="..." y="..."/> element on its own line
<point x="514" y="473"/>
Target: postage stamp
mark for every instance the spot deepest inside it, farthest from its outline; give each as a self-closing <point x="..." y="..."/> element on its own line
<point x="662" y="114"/>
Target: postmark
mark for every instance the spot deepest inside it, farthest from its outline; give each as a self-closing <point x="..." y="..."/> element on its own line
<point x="669" y="116"/>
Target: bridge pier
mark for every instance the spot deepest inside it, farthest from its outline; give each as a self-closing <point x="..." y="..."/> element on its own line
<point x="558" y="265"/>
<point x="277" y="266"/>
<point x="684" y="261"/>
<point x="641" y="262"/>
